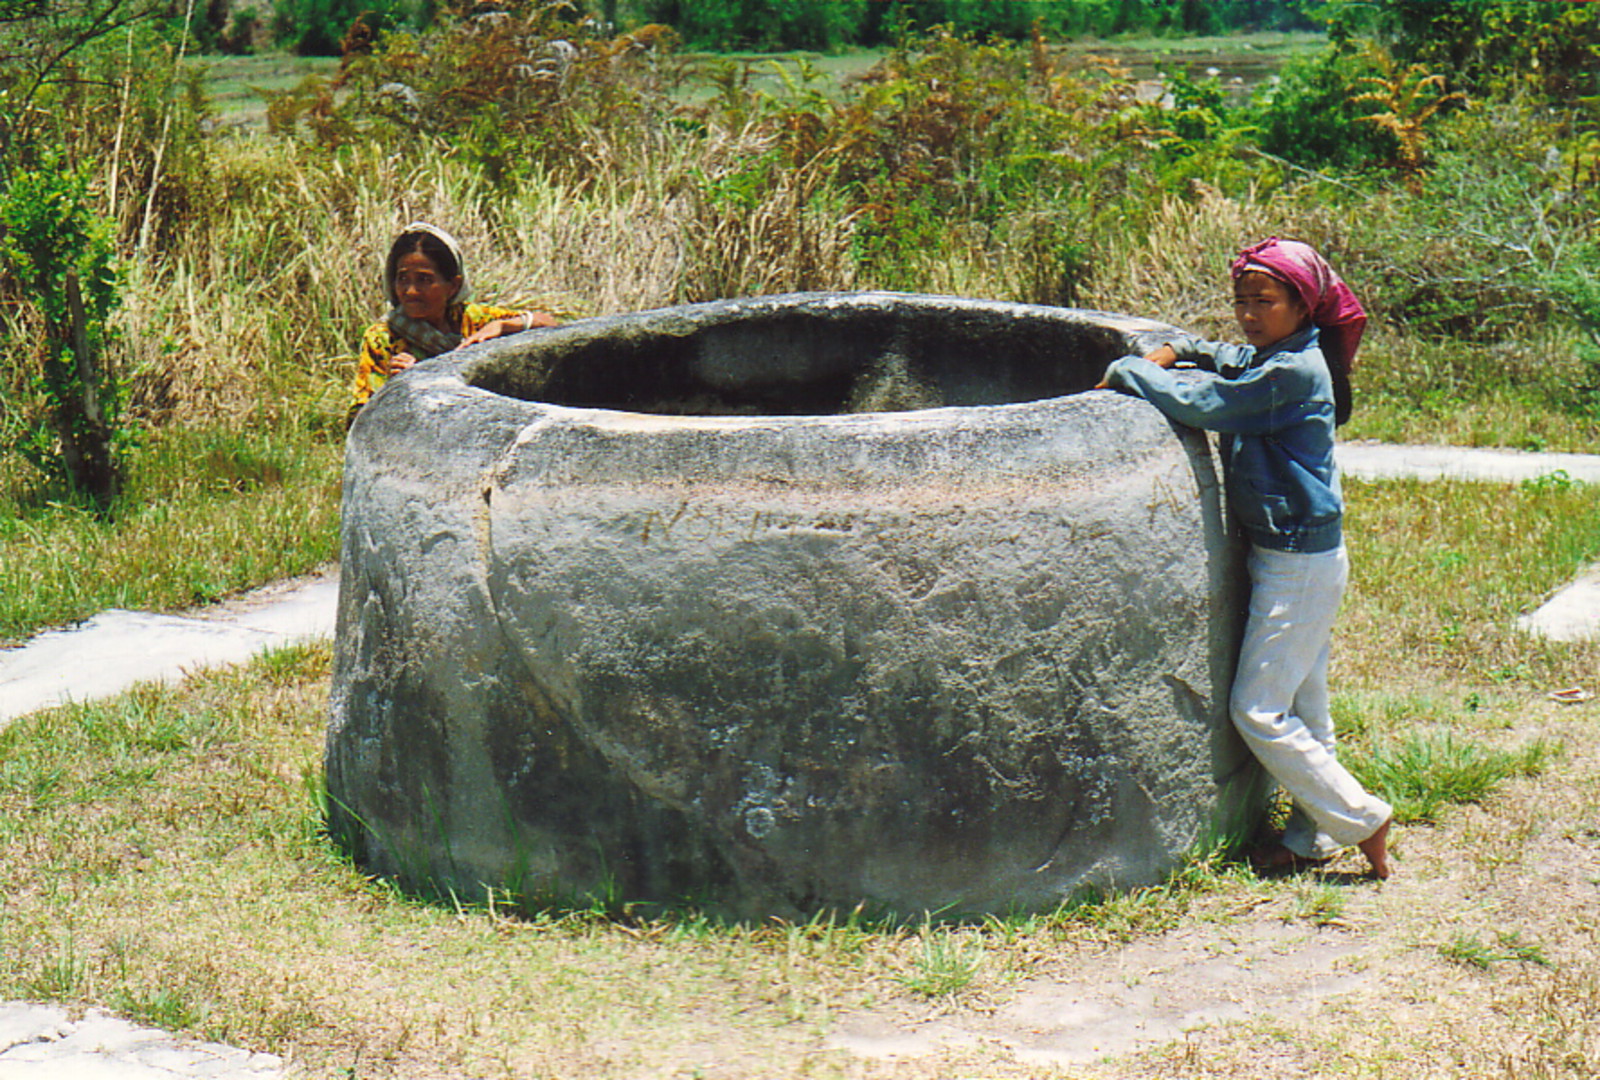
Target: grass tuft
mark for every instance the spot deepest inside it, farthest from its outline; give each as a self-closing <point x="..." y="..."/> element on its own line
<point x="1320" y="903"/>
<point x="1472" y="951"/>
<point x="1422" y="774"/>
<point x="947" y="964"/>
<point x="1124" y="914"/>
<point x="162" y="1007"/>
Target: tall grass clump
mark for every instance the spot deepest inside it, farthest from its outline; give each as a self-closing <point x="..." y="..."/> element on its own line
<point x="945" y="965"/>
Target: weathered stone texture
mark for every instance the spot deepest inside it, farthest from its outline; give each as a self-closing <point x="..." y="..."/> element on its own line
<point x="770" y="656"/>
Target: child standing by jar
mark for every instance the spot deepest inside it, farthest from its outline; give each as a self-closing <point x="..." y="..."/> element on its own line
<point x="1276" y="401"/>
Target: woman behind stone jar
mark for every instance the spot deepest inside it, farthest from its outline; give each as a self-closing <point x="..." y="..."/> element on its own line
<point x="425" y="280"/>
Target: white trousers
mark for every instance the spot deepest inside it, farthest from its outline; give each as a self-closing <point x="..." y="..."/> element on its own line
<point x="1280" y="698"/>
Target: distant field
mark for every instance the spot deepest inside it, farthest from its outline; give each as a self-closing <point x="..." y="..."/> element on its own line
<point x="235" y="82"/>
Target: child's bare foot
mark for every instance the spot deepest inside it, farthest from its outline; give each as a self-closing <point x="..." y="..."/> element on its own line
<point x="1376" y="849"/>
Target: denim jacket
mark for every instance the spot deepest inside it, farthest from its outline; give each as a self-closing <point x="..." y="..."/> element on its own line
<point x="1274" y="411"/>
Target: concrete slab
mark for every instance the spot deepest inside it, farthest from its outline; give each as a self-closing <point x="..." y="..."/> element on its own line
<point x="40" y="1042"/>
<point x="115" y="649"/>
<point x="1380" y="461"/>
<point x="1573" y="614"/>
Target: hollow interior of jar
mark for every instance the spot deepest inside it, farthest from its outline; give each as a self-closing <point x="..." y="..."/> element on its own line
<point x="809" y="361"/>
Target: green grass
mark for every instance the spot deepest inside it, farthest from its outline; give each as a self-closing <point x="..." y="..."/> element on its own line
<point x="202" y="803"/>
<point x="1321" y="904"/>
<point x="1470" y="950"/>
<point x="206" y="514"/>
<point x="1501" y="417"/>
<point x="1422" y="774"/>
<point x="1523" y="393"/>
<point x="1441" y="570"/>
<point x="1429" y="663"/>
<point x="946" y="965"/>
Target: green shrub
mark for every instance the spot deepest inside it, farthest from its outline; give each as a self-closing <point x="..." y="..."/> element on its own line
<point x="1198" y="136"/>
<point x="1574" y="282"/>
<point x="510" y="96"/>
<point x="947" y="131"/>
<point x="1309" y="117"/>
<point x="1493" y="251"/>
<point x="823" y="25"/>
<point x="58" y="256"/>
<point x="318" y="27"/>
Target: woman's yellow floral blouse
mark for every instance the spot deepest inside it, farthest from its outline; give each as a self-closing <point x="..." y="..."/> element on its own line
<point x="379" y="344"/>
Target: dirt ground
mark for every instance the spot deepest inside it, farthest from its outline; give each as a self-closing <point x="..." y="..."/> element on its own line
<point x="1477" y="958"/>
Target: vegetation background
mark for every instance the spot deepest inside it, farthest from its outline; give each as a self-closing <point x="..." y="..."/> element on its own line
<point x="183" y="281"/>
<point x="181" y="289"/>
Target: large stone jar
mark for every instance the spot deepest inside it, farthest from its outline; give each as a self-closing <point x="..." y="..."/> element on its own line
<point x="780" y="604"/>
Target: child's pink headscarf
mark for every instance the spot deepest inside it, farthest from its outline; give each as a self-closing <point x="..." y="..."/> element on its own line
<point x="1335" y="311"/>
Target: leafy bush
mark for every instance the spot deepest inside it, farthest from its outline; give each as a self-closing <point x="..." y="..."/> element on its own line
<point x="318" y="27"/>
<point x="1486" y="255"/>
<point x="763" y="24"/>
<point x="947" y="130"/>
<point x="60" y="266"/>
<point x="1310" y="118"/>
<point x="1002" y="18"/>
<point x="1198" y="136"/>
<point x="1575" y="284"/>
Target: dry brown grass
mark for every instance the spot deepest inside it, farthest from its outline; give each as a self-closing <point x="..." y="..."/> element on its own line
<point x="1140" y="274"/>
<point x="261" y="313"/>
<point x="264" y="940"/>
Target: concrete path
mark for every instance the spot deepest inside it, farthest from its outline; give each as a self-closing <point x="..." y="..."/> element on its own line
<point x="40" y="1042"/>
<point x="115" y="649"/>
<point x="1384" y="461"/>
